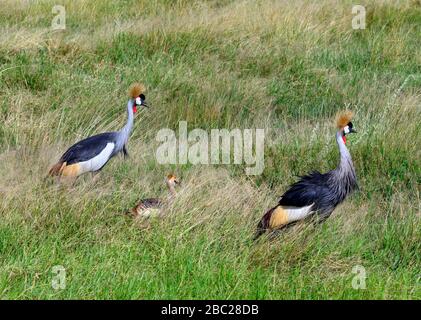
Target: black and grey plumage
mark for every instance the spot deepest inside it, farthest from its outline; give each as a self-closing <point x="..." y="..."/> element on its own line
<point x="93" y="153"/>
<point x="315" y="193"/>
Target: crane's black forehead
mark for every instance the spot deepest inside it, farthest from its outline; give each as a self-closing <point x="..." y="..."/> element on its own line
<point x="142" y="96"/>
<point x="350" y="124"/>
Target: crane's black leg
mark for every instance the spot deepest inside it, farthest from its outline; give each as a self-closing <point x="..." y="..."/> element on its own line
<point x="125" y="153"/>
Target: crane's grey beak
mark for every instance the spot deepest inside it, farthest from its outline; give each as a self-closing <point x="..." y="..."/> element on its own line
<point x="352" y="130"/>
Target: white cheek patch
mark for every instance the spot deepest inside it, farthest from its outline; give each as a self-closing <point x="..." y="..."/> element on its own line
<point x="346" y="130"/>
<point x="138" y="101"/>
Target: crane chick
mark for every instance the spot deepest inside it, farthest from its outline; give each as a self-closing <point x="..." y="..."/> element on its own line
<point x="316" y="193"/>
<point x="153" y="207"/>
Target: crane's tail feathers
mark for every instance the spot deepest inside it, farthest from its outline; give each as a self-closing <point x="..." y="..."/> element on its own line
<point x="263" y="224"/>
<point x="57" y="169"/>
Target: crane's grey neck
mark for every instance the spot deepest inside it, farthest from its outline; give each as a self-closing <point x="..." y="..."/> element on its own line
<point x="345" y="172"/>
<point x="172" y="191"/>
<point x="124" y="133"/>
<point x="171" y="188"/>
<point x="343" y="150"/>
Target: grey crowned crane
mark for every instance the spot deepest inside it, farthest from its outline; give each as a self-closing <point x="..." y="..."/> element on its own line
<point x="315" y="193"/>
<point x="153" y="206"/>
<point x="93" y="153"/>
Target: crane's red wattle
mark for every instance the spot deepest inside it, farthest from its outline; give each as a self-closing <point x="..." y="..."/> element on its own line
<point x="344" y="139"/>
<point x="134" y="109"/>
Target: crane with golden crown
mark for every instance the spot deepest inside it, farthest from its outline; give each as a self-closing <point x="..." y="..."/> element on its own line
<point x="93" y="153"/>
<point x="316" y="193"/>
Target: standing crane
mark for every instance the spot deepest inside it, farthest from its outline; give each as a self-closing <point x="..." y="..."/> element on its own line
<point x="153" y="206"/>
<point x="93" y="153"/>
<point x="316" y="193"/>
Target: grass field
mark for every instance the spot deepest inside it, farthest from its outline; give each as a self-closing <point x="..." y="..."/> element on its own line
<point x="287" y="66"/>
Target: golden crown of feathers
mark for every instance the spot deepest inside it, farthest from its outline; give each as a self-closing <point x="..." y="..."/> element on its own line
<point x="136" y="89"/>
<point x="171" y="176"/>
<point x="343" y="118"/>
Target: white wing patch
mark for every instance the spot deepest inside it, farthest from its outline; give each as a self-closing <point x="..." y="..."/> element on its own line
<point x="99" y="160"/>
<point x="297" y="213"/>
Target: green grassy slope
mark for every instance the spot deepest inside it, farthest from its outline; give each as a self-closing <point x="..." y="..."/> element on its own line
<point x="287" y="66"/>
